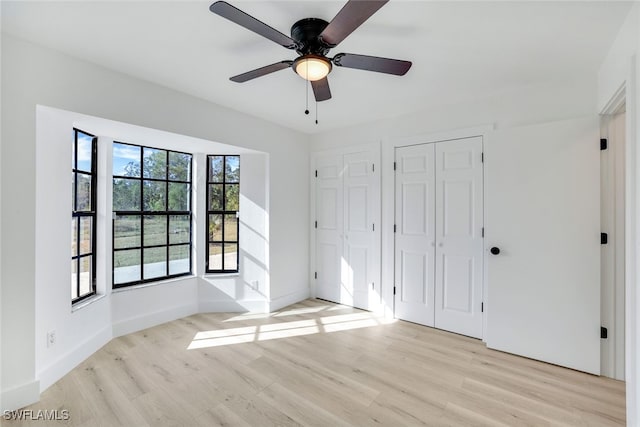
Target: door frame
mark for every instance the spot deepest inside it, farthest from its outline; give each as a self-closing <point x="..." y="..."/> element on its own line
<point x="388" y="204"/>
<point x="627" y="93"/>
<point x="374" y="147"/>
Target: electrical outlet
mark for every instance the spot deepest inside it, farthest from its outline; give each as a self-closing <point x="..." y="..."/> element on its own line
<point x="51" y="338"/>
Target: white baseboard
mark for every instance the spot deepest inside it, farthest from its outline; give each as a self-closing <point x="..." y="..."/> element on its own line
<point x="63" y="365"/>
<point x="148" y="320"/>
<point x="233" y="306"/>
<point x="20" y="396"/>
<point x="292" y="298"/>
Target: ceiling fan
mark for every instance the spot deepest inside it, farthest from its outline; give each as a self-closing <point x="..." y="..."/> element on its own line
<point x="312" y="38"/>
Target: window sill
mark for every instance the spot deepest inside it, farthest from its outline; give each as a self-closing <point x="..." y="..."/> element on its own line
<point x="86" y="302"/>
<point x="151" y="284"/>
<point x="220" y="275"/>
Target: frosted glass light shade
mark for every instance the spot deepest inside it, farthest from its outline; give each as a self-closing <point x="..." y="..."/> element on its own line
<point x="312" y="68"/>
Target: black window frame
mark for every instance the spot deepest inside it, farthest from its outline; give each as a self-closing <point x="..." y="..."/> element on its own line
<point x="147" y="213"/>
<point x="91" y="213"/>
<point x="223" y="212"/>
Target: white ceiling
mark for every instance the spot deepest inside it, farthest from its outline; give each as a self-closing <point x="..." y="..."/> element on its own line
<point x="459" y="50"/>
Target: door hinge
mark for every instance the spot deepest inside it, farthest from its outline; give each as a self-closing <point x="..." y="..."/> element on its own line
<point x="373" y="285"/>
<point x="315" y="275"/>
<point x="482" y="157"/>
<point x="316" y="173"/>
<point x="481" y="307"/>
<point x="394" y="228"/>
<point x="394" y="165"/>
<point x="373" y="227"/>
<point x="373" y="167"/>
<point x="316" y="224"/>
<point x="394" y="290"/>
<point x="603" y="332"/>
<point x="604" y="238"/>
<point x="482" y="231"/>
<point x="603" y="143"/>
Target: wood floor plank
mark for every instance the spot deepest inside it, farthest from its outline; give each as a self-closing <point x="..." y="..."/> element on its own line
<point x="317" y="363"/>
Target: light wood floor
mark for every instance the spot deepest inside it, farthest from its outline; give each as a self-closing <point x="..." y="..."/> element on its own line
<point x="317" y="363"/>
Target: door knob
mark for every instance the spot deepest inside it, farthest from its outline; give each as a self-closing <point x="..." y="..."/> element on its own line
<point x="494" y="250"/>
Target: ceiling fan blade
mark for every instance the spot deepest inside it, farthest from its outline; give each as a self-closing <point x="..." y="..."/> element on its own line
<point x="262" y="71"/>
<point x="321" y="89"/>
<point x="234" y="14"/>
<point x="372" y="63"/>
<point x="350" y="17"/>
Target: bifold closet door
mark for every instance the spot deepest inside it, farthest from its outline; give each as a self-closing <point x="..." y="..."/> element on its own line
<point x="415" y="234"/>
<point x="347" y="241"/>
<point x="459" y="243"/>
<point x="329" y="228"/>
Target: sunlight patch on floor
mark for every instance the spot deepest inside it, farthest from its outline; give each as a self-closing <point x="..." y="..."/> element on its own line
<point x="326" y="324"/>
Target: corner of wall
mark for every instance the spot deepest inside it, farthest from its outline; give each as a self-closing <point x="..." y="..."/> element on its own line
<point x="20" y="396"/>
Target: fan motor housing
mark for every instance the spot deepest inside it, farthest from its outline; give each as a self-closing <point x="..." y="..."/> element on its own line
<point x="306" y="32"/>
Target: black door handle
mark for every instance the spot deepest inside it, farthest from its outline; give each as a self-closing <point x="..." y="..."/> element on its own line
<point x="494" y="250"/>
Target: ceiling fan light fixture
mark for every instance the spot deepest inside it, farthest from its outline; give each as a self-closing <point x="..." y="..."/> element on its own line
<point x="312" y="67"/>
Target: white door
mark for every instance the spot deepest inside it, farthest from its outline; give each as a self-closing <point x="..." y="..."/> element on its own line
<point x="347" y="206"/>
<point x="459" y="242"/>
<point x="542" y="197"/>
<point x="329" y="227"/>
<point x="415" y="234"/>
<point x="360" y="261"/>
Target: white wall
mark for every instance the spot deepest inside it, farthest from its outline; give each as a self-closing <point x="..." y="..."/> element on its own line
<point x="621" y="69"/>
<point x="32" y="76"/>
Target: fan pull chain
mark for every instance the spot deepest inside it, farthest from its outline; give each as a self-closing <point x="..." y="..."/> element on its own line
<point x="306" y="111"/>
<point x="316" y="112"/>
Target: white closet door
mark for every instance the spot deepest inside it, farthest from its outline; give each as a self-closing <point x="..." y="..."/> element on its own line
<point x="414" y="237"/>
<point x="459" y="248"/>
<point x="543" y="213"/>
<point x="329" y="231"/>
<point x="359" y="266"/>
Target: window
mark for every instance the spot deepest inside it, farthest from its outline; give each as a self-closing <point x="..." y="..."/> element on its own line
<point x="152" y="214"/>
<point x="223" y="196"/>
<point x="83" y="216"/>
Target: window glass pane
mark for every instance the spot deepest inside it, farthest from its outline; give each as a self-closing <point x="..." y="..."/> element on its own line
<point x="231" y="256"/>
<point x="86" y="266"/>
<point x="155" y="262"/>
<point x="84" y="152"/>
<point x="232" y="169"/>
<point x="155" y="230"/>
<point x="179" y="229"/>
<point x="155" y="163"/>
<point x="215" y="197"/>
<point x="73" y="191"/>
<point x="231" y="228"/>
<point x="179" y="196"/>
<point x="74" y="279"/>
<point x="232" y="197"/>
<point x="84" y="192"/>
<point x="179" y="166"/>
<point x="126" y="160"/>
<point x="179" y="259"/>
<point x="86" y="231"/>
<point x="74" y="236"/>
<point x="126" y="266"/>
<point x="216" y="170"/>
<point x="215" y="228"/>
<point x="126" y="194"/>
<point x="154" y="196"/>
<point x="215" y="256"/>
<point x="127" y="231"/>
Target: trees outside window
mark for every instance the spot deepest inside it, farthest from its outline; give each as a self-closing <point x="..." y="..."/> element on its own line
<point x="83" y="215"/>
<point x="152" y="214"/>
<point x="223" y="201"/>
